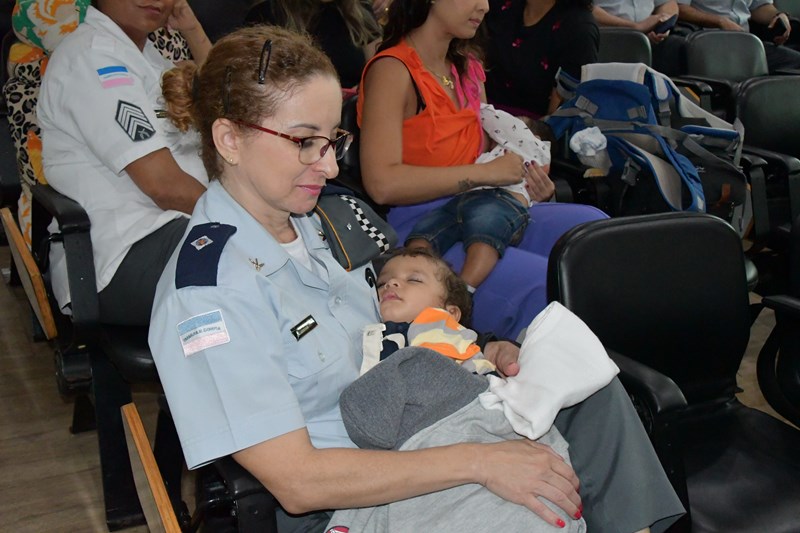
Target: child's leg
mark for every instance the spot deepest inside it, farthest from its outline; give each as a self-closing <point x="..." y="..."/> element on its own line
<point x="478" y="263"/>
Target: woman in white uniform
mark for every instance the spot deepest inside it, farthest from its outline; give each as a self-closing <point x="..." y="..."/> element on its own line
<point x="256" y="329"/>
<point x="108" y="146"/>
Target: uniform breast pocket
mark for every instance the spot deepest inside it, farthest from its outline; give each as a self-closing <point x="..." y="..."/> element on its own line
<point x="316" y="371"/>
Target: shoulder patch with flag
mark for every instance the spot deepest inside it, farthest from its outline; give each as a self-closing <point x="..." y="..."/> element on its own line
<point x="132" y="119"/>
<point x="203" y="331"/>
<point x="114" y="76"/>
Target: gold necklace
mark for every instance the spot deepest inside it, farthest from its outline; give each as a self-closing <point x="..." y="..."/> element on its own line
<point x="446" y="81"/>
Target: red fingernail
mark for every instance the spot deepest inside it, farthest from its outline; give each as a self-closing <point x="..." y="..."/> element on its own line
<point x="578" y="514"/>
<point x="560" y="523"/>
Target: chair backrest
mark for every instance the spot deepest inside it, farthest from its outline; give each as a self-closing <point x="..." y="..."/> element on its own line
<point x="792" y="7"/>
<point x="149" y="484"/>
<point x="624" y="45"/>
<point x="770" y="120"/>
<point x="726" y="55"/>
<point x="668" y="290"/>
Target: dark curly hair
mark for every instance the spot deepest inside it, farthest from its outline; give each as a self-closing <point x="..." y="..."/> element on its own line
<point x="455" y="289"/>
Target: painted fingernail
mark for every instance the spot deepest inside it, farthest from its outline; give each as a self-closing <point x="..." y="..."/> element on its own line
<point x="560" y="523"/>
<point x="579" y="514"/>
<point x="527" y="164"/>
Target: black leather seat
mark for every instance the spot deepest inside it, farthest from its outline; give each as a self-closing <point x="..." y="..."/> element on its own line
<point x="778" y="367"/>
<point x="102" y="361"/>
<point x="765" y="106"/>
<point x="667" y="296"/>
<point x="624" y="45"/>
<point x="723" y="59"/>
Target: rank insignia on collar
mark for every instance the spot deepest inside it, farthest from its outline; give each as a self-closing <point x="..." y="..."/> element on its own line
<point x="321" y="235"/>
<point x="202" y="242"/>
<point x="258" y="266"/>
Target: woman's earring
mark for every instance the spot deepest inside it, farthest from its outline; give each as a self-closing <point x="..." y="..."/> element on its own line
<point x="230" y="159"/>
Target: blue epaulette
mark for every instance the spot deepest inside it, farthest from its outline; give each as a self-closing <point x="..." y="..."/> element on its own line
<point x="200" y="254"/>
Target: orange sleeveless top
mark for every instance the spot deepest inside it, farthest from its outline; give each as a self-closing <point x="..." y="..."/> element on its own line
<point x="441" y="134"/>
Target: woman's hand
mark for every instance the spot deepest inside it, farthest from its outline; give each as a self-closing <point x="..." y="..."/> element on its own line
<point x="507" y="169"/>
<point x="521" y="470"/>
<point x="538" y="184"/>
<point x="183" y="18"/>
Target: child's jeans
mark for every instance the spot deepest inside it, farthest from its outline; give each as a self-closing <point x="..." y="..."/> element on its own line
<point x="490" y="216"/>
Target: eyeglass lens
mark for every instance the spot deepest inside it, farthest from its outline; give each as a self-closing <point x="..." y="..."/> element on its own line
<point x="312" y="149"/>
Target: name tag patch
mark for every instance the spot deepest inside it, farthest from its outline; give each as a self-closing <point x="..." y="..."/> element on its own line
<point x="203" y="331"/>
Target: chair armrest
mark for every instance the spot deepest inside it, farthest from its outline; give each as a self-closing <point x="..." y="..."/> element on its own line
<point x="784" y="166"/>
<point x="70" y="215"/>
<point x="658" y="392"/>
<point x="705" y="83"/>
<point x="74" y="226"/>
<point x="239" y="481"/>
<point x="755" y="168"/>
<point x="783" y="304"/>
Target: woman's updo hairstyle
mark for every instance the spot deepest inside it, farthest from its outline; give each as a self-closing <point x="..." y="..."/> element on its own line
<point x="227" y="85"/>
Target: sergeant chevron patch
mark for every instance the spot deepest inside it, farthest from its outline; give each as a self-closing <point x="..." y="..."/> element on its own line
<point x="133" y="120"/>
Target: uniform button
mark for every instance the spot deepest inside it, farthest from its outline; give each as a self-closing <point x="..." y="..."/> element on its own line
<point x="337" y="300"/>
<point x="321" y="356"/>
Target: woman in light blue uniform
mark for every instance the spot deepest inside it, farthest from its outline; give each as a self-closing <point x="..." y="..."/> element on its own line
<point x="256" y="329"/>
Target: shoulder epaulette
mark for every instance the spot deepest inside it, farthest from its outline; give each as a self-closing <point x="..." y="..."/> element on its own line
<point x="200" y="254"/>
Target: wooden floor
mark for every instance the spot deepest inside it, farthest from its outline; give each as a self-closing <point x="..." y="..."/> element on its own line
<point x="50" y="478"/>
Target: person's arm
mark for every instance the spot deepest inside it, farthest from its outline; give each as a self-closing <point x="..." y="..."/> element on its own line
<point x="389" y="98"/>
<point x="604" y="18"/>
<point x="667" y="9"/>
<point x="306" y="478"/>
<point x="690" y="14"/>
<point x="184" y="20"/>
<point x="158" y="175"/>
<point x="769" y="15"/>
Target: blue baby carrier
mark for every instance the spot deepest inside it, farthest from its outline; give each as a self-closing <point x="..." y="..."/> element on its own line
<point x="666" y="153"/>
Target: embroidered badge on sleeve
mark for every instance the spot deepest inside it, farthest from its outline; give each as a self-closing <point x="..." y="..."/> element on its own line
<point x="114" y="76"/>
<point x="203" y="331"/>
<point x="133" y="120"/>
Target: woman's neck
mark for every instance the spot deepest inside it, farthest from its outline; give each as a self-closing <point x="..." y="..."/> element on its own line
<point x="535" y="10"/>
<point x="276" y="222"/>
<point x="431" y="46"/>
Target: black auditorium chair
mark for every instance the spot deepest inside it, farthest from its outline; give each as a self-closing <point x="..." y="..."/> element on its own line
<point x="101" y="361"/>
<point x="624" y="45"/>
<point x="667" y="296"/>
<point x="778" y="368"/>
<point x="767" y="108"/>
<point x="723" y="60"/>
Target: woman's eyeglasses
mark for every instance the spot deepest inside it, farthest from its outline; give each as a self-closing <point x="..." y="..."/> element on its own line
<point x="312" y="148"/>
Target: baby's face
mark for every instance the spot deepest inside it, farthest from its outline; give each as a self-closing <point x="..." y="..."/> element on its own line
<point x="406" y="286"/>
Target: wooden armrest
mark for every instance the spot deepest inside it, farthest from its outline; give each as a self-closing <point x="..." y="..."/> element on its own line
<point x="149" y="484"/>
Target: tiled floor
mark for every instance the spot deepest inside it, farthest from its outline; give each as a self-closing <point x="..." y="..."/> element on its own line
<point x="51" y="478"/>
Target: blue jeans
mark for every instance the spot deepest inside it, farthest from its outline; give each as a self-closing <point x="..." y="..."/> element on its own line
<point x="490" y="216"/>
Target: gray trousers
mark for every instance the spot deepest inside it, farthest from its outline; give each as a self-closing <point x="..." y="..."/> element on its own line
<point x="128" y="299"/>
<point x="623" y="486"/>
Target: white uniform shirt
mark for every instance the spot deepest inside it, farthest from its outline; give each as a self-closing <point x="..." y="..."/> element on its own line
<point x="97" y="111"/>
<point x="232" y="339"/>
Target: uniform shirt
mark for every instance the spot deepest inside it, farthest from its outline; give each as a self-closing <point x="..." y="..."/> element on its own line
<point x="222" y="336"/>
<point x="736" y="10"/>
<point x="633" y="10"/>
<point x="98" y="113"/>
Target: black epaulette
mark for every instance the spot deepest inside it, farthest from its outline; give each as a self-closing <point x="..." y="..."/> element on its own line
<point x="200" y="253"/>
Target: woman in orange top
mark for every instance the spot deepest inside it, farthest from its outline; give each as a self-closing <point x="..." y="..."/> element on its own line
<point x="421" y="134"/>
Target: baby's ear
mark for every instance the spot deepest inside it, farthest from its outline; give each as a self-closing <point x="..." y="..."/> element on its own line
<point x="455" y="311"/>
